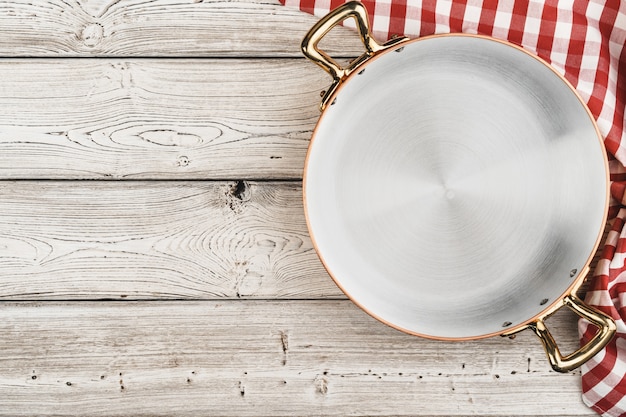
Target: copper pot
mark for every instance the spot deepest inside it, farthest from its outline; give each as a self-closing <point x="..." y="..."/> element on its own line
<point x="456" y="186"/>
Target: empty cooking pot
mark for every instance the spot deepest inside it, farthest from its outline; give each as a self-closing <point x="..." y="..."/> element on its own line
<point x="456" y="186"/>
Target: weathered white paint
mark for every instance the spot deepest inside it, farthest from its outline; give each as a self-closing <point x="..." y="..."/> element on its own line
<point x="263" y="358"/>
<point x="154" y="240"/>
<point x="159" y="28"/>
<point x="257" y="328"/>
<point x="157" y="118"/>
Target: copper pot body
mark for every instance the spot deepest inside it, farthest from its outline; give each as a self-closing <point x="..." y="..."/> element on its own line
<point x="456" y="186"/>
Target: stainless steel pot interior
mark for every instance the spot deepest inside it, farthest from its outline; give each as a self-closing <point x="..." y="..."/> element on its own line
<point x="457" y="187"/>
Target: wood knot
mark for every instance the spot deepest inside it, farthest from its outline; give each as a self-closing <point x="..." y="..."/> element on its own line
<point x="182" y="161"/>
<point x="238" y="194"/>
<point x="240" y="191"/>
<point x="92" y="34"/>
<point x="321" y="385"/>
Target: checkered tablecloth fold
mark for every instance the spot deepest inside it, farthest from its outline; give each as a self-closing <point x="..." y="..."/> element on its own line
<point x="583" y="40"/>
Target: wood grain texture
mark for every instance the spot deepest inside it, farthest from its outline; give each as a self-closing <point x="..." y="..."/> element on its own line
<point x="159" y="28"/>
<point x="253" y="358"/>
<point x="235" y="314"/>
<point x="157" y="119"/>
<point x="154" y="240"/>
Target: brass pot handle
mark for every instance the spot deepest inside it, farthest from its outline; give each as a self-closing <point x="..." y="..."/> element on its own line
<point x="606" y="331"/>
<point x="310" y="49"/>
<point x="605" y="324"/>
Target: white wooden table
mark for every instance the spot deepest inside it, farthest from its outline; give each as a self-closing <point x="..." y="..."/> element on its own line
<point x="154" y="258"/>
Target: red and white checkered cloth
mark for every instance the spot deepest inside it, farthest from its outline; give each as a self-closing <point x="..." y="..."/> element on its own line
<point x="583" y="40"/>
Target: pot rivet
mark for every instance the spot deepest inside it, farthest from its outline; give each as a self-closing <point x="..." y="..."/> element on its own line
<point x="544" y="301"/>
<point x="399" y="49"/>
<point x="573" y="272"/>
<point x="362" y="71"/>
<point x="506" y="324"/>
<point x="333" y="103"/>
<point x="322" y="93"/>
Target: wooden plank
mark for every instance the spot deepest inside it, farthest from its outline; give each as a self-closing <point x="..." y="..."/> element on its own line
<point x="155" y="240"/>
<point x="255" y="358"/>
<point x="157" y="119"/>
<point x="159" y="28"/>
